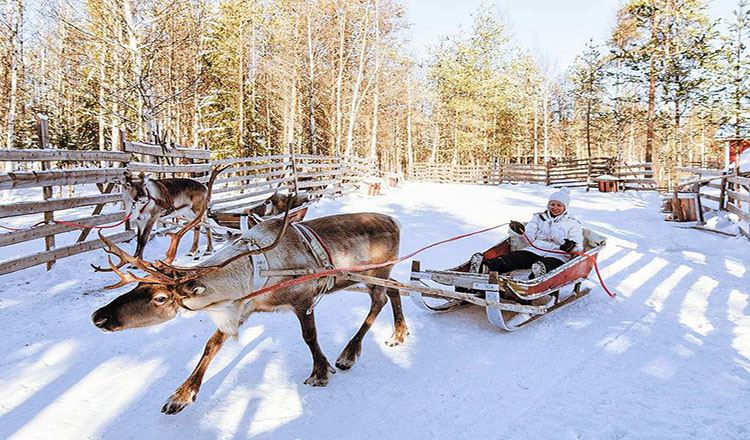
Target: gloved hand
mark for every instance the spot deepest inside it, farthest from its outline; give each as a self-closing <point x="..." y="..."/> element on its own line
<point x="517" y="227"/>
<point x="568" y="245"/>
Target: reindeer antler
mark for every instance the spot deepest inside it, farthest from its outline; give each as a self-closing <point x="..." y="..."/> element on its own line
<point x="155" y="276"/>
<point x="126" y="278"/>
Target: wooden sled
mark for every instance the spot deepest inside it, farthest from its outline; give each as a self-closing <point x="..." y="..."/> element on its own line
<point x="511" y="300"/>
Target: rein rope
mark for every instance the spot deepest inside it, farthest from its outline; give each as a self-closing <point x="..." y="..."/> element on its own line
<point x="357" y="268"/>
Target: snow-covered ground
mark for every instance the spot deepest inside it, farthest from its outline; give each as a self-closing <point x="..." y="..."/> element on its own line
<point x="669" y="358"/>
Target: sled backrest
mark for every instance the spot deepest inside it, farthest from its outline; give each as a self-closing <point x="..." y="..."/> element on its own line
<point x="591" y="240"/>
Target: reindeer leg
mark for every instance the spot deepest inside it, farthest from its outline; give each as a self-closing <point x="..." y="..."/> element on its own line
<point x="144" y="233"/>
<point x="196" y="238"/>
<point x="321" y="367"/>
<point x="352" y="350"/>
<point x="209" y="244"/>
<point x="187" y="392"/>
<point x="400" y="331"/>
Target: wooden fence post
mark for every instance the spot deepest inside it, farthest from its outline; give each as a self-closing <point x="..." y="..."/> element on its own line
<point x="42" y="131"/>
<point x="547" y="170"/>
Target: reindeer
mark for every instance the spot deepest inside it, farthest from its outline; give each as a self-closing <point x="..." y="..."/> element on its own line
<point x="217" y="285"/>
<point x="277" y="203"/>
<point x="148" y="200"/>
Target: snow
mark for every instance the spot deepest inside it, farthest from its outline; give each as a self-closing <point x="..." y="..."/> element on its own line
<point x="723" y="222"/>
<point x="669" y="358"/>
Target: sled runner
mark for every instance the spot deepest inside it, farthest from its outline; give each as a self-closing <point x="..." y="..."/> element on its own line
<point x="511" y="300"/>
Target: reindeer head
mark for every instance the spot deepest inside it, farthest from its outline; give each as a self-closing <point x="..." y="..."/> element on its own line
<point x="165" y="289"/>
<point x="134" y="187"/>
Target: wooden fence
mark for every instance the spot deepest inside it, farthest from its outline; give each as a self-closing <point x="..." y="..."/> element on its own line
<point x="81" y="168"/>
<point x="715" y="190"/>
<point x="247" y="182"/>
<point x="554" y="173"/>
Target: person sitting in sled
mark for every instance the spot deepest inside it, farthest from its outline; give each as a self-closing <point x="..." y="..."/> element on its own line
<point x="554" y="229"/>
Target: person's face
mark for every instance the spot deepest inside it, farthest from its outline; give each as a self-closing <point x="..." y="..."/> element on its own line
<point x="556" y="208"/>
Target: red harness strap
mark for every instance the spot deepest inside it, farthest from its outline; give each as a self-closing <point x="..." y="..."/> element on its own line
<point x="167" y="203"/>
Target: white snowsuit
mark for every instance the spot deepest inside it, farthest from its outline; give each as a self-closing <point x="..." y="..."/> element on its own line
<point x="549" y="232"/>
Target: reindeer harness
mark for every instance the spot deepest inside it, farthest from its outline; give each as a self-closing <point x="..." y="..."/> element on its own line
<point x="318" y="249"/>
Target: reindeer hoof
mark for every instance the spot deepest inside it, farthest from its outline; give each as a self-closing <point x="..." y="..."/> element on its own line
<point x="396" y="339"/>
<point x="346" y="361"/>
<point x="316" y="381"/>
<point x="176" y="404"/>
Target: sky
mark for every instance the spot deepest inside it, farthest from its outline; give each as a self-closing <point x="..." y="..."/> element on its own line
<point x="560" y="29"/>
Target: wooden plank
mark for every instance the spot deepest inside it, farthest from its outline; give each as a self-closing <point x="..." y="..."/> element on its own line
<point x="245" y="200"/>
<point x="739" y="180"/>
<point x="137" y="167"/>
<point x="711" y="197"/>
<point x="37" y="207"/>
<point x="444" y="293"/>
<point x="702" y="171"/>
<point x="633" y="173"/>
<point x="30" y="179"/>
<point x="42" y="131"/>
<point x="63" y="252"/>
<point x="97" y="209"/>
<point x="54" y="229"/>
<point x="314" y="157"/>
<point x="252" y="185"/>
<point x="251" y="181"/>
<point x="33" y="155"/>
<point x="738" y="196"/>
<point x="735" y="210"/>
<point x="249" y="159"/>
<point x="156" y="150"/>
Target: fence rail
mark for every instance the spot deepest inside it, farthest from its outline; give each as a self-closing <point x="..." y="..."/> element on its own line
<point x="554" y="173"/>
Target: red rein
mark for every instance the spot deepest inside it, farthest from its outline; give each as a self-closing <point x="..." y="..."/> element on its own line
<point x="360" y="268"/>
<point x="365" y="267"/>
<point x="590" y="257"/>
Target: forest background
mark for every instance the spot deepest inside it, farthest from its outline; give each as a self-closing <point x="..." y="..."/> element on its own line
<point x="247" y="77"/>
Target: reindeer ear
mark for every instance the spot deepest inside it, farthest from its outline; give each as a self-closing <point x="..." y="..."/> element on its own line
<point x="194" y="288"/>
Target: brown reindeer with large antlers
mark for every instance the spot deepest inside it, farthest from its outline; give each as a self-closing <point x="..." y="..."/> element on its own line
<point x="217" y="284"/>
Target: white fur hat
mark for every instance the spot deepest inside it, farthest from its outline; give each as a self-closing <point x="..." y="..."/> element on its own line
<point x="562" y="196"/>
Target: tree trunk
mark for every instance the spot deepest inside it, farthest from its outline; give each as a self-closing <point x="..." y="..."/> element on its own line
<point x="241" y="97"/>
<point x="15" y="18"/>
<point x="409" y="151"/>
<point x="355" y="92"/>
<point x="339" y="80"/>
<point x="651" y="96"/>
<point x="375" y="98"/>
<point x="311" y="79"/>
<point x="546" y="122"/>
